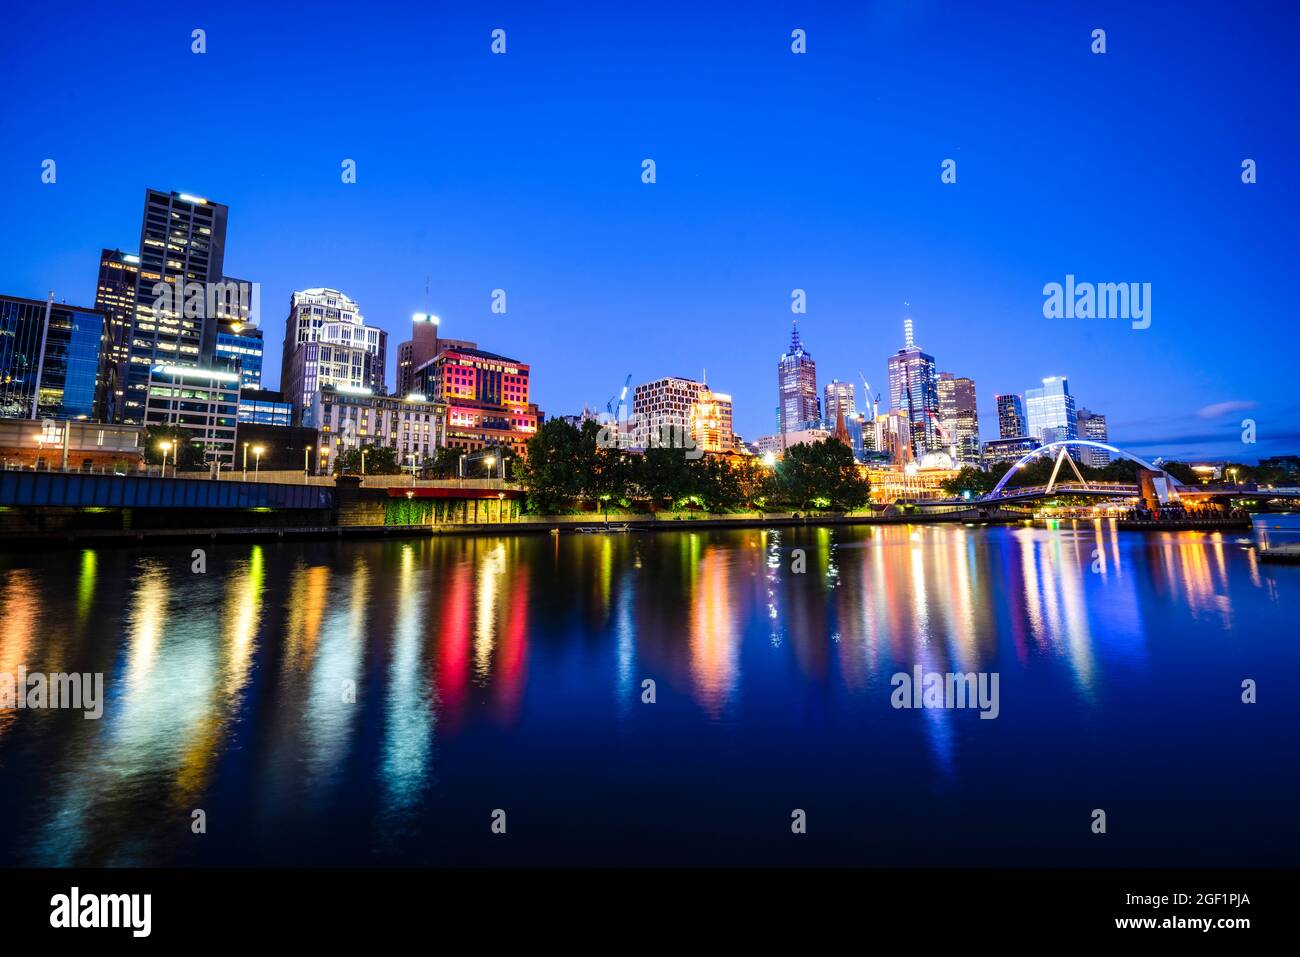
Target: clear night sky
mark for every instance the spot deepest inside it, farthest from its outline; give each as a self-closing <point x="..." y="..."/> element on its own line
<point x="775" y="171"/>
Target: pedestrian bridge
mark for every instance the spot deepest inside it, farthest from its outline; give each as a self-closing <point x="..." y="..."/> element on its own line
<point x="87" y="490"/>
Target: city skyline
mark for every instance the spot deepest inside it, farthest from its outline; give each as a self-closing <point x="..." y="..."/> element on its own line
<point x="587" y="253"/>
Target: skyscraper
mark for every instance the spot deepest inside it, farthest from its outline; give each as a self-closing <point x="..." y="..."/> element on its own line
<point x="958" y="413"/>
<point x="840" y="397"/>
<point x="182" y="242"/>
<point x="1093" y="427"/>
<point x="115" y="298"/>
<point x="327" y="342"/>
<point x="914" y="392"/>
<point x="797" y="387"/>
<point x="1011" y="416"/>
<point x="1050" y="411"/>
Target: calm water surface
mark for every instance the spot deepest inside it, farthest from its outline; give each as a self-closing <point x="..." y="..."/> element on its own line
<point x="506" y="673"/>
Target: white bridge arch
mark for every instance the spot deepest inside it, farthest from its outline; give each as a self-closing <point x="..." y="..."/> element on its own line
<point x="1063" y="444"/>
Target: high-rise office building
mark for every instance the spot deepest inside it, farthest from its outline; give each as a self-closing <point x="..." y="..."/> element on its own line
<point x="52" y="353"/>
<point x="1011" y="416"/>
<point x="959" y="415"/>
<point x="1092" y="426"/>
<point x="1050" y="413"/>
<point x="839" y="397"/>
<point x="416" y="351"/>
<point x="115" y="298"/>
<point x="180" y="291"/>
<point x="486" y="397"/>
<point x="797" y="387"/>
<point x="327" y="342"/>
<point x="914" y="392"/>
<point x="202" y="402"/>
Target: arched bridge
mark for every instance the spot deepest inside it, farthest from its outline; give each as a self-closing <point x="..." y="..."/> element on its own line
<point x="1080" y="487"/>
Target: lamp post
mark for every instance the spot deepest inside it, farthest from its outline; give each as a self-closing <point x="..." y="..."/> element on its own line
<point x="490" y="461"/>
<point x="306" y="469"/>
<point x="363" y="460"/>
<point x="245" y="461"/>
<point x="166" y="447"/>
<point x="257" y="465"/>
<point x="501" y="503"/>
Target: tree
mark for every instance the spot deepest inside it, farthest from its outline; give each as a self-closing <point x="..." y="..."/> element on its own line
<point x="970" y="479"/>
<point x="549" y="473"/>
<point x="380" y="460"/>
<point x="184" y="451"/>
<point x="824" y="474"/>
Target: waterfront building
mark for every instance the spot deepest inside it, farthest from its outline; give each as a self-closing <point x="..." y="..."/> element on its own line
<point x="914" y="392"/>
<point x="347" y="418"/>
<point x="959" y="415"/>
<point x="1008" y="449"/>
<point x="487" y="397"/>
<point x="798" y="406"/>
<point x="1012" y="423"/>
<point x="180" y="291"/>
<point x="204" y="402"/>
<point x="53" y="359"/>
<point x="115" y="298"/>
<point x="327" y="343"/>
<point x="1050" y="413"/>
<point x="264" y="407"/>
<point x="1093" y="427"/>
<point x="76" y="444"/>
<point x="892" y="484"/>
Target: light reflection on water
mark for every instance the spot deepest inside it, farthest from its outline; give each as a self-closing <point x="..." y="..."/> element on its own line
<point x="333" y="701"/>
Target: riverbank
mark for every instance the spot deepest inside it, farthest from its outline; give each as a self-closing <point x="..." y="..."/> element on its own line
<point x="578" y="524"/>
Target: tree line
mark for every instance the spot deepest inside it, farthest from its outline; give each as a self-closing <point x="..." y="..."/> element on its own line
<point x="567" y="469"/>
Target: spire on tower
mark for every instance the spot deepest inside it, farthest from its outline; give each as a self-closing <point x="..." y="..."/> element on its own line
<point x="795" y="344"/>
<point x="908" y="341"/>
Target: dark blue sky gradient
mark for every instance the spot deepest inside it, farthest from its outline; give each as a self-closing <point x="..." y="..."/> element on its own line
<point x="775" y="171"/>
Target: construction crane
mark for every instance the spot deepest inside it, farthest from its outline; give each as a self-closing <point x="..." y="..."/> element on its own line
<point x="621" y="397"/>
<point x="866" y="398"/>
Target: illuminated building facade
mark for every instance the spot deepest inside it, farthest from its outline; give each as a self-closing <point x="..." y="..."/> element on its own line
<point x="1012" y="423"/>
<point x="350" y="418"/>
<point x="914" y="392"/>
<point x="1050" y="412"/>
<point x="182" y="242"/>
<point x="796" y="374"/>
<point x="67" y="355"/>
<point x="486" y="397"/>
<point x="1008" y="450"/>
<point x="327" y="343"/>
<point x="204" y="402"/>
<point x="115" y="298"/>
<point x="958" y="413"/>
<point x="416" y="351"/>
<point x="1092" y="426"/>
<point x="264" y="407"/>
<point x="686" y="405"/>
<point x="839" y="397"/>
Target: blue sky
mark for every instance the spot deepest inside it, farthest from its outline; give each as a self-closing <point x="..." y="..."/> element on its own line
<point x="775" y="172"/>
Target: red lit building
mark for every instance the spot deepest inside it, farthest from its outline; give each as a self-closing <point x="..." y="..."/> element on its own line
<point x="486" y="396"/>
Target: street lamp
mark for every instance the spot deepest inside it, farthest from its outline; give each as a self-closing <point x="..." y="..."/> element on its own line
<point x="257" y="465"/>
<point x="245" y="461"/>
<point x="490" y="461"/>
<point x="306" y="468"/>
<point x="501" y="503"/>
<point x="166" y="447"/>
